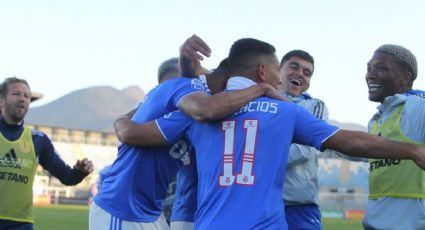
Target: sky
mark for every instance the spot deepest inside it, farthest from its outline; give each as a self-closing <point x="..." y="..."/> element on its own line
<point x="63" y="46"/>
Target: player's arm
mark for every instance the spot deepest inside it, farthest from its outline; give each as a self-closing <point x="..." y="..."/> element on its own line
<point x="165" y="130"/>
<point x="145" y="134"/>
<point x="49" y="160"/>
<point x="203" y="107"/>
<point x="361" y="144"/>
<point x="191" y="55"/>
<point x="299" y="154"/>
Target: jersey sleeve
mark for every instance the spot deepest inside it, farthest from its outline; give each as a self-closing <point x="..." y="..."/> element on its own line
<point x="311" y="131"/>
<point x="188" y="86"/>
<point x="320" y="110"/>
<point x="414" y="117"/>
<point x="174" y="125"/>
<point x="51" y="161"/>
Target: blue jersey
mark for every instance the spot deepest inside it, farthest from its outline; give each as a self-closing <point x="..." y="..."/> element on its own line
<point x="137" y="181"/>
<point x="185" y="199"/>
<point x="241" y="161"/>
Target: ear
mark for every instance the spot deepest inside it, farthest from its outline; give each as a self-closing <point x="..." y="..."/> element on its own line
<point x="261" y="73"/>
<point x="407" y="80"/>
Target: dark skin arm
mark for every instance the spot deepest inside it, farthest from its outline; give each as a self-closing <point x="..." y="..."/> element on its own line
<point x="146" y="134"/>
<point x="352" y="143"/>
<point x="202" y="107"/>
<point x="191" y="55"/>
<point x="361" y="144"/>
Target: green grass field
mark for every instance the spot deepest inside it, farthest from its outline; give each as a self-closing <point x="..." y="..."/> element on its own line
<point x="73" y="217"/>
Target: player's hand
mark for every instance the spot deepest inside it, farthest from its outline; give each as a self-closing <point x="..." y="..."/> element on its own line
<point x="84" y="165"/>
<point x="195" y="48"/>
<point x="272" y="92"/>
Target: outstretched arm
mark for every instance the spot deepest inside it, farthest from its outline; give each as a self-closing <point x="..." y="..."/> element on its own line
<point x="361" y="144"/>
<point x="85" y="165"/>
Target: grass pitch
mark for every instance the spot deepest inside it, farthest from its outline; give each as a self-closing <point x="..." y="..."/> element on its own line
<point x="75" y="217"/>
<point x="61" y="217"/>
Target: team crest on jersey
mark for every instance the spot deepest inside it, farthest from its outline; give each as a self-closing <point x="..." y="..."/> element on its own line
<point x="198" y="84"/>
<point x="180" y="150"/>
<point x="25" y="146"/>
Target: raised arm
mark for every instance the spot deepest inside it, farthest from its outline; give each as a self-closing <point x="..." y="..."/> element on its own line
<point x="191" y="55"/>
<point x="203" y="107"/>
<point x="361" y="144"/>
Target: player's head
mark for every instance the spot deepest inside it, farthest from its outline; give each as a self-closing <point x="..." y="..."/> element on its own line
<point x="222" y="69"/>
<point x="168" y="69"/>
<point x="296" y="69"/>
<point x="217" y="78"/>
<point x="254" y="59"/>
<point x="15" y="99"/>
<point x="391" y="70"/>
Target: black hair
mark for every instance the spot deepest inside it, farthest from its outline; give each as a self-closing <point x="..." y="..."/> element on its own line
<point x="244" y="53"/>
<point x="297" y="53"/>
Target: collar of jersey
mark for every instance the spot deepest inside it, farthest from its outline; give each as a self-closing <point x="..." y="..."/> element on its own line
<point x="239" y="82"/>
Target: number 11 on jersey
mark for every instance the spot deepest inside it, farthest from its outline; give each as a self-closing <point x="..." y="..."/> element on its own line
<point x="245" y="177"/>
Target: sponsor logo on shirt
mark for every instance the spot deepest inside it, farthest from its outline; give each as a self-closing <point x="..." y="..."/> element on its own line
<point x="383" y="163"/>
<point x="10" y="160"/>
<point x="198" y="84"/>
<point x="10" y="176"/>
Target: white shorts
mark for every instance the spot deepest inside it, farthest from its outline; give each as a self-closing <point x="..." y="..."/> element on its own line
<point x="99" y="219"/>
<point x="181" y="225"/>
<point x="395" y="214"/>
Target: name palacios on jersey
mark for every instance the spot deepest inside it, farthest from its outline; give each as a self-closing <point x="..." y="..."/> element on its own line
<point x="259" y="106"/>
<point x="10" y="160"/>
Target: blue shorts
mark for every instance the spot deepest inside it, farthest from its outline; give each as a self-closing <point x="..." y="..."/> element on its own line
<point x="303" y="217"/>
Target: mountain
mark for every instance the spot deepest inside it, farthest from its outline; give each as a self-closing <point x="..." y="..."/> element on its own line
<point x="96" y="108"/>
<point x="349" y="126"/>
<point x="93" y="108"/>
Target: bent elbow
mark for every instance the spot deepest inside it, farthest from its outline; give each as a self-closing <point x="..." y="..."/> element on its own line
<point x="201" y="113"/>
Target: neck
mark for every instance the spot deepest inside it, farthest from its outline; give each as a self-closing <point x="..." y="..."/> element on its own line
<point x="215" y="82"/>
<point x="10" y="121"/>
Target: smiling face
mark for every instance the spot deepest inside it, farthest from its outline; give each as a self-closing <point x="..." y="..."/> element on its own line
<point x="386" y="77"/>
<point x="295" y="75"/>
<point x="16" y="102"/>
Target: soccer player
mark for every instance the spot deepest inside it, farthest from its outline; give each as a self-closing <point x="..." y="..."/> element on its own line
<point x="241" y="159"/>
<point x="139" y="177"/>
<point x="22" y="149"/>
<point x="396" y="187"/>
<point x="301" y="186"/>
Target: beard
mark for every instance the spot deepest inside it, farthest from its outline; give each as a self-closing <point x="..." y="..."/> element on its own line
<point x="14" y="114"/>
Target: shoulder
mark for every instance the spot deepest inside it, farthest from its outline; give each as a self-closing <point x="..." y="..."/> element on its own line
<point x="416" y="105"/>
<point x="185" y="82"/>
<point x="39" y="136"/>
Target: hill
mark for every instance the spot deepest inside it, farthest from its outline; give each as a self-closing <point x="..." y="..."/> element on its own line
<point x="349" y="126"/>
<point x="93" y="108"/>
